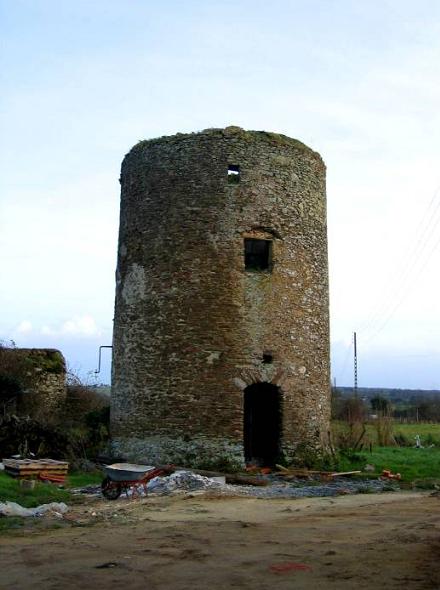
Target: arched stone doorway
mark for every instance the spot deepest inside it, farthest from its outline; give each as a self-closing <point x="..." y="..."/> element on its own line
<point x="262" y="423"/>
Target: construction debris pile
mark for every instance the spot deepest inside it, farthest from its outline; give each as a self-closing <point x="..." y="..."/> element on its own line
<point x="301" y="489"/>
<point x="271" y="485"/>
<point x="186" y="480"/>
<point x="14" y="509"/>
<point x="284" y="483"/>
<point x="337" y="487"/>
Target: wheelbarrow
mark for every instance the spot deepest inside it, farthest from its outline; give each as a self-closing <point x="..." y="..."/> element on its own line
<point x="122" y="477"/>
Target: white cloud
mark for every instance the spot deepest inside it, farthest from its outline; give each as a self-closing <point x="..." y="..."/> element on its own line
<point x="84" y="326"/>
<point x="47" y="331"/>
<point x="81" y="326"/>
<point x="24" y="327"/>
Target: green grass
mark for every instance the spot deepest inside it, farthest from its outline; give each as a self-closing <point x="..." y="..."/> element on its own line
<point x="420" y="467"/>
<point x="429" y="433"/>
<point x="79" y="480"/>
<point x="44" y="493"/>
<point x="414" y="465"/>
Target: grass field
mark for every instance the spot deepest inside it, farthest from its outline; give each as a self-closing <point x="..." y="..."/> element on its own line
<point x="429" y="433"/>
<point x="43" y="493"/>
<point x="420" y="467"/>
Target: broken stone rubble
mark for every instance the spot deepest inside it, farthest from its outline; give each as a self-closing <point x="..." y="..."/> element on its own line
<point x="187" y="481"/>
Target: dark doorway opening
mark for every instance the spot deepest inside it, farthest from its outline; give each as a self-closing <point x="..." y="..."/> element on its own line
<point x="262" y="423"/>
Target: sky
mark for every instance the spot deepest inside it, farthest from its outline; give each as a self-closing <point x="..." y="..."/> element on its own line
<point x="356" y="80"/>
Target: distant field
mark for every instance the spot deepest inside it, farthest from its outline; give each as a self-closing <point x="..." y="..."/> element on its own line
<point x="421" y="428"/>
<point x="420" y="467"/>
<point x="429" y="433"/>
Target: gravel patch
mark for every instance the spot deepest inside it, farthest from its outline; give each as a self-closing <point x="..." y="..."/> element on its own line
<point x="186" y="481"/>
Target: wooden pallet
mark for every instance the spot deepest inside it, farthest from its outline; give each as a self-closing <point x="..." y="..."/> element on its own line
<point x="27" y="468"/>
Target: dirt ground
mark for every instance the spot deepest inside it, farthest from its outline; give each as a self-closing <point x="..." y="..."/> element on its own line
<point x="189" y="543"/>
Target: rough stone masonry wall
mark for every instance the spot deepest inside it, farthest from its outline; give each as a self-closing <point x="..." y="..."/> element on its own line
<point x="41" y="373"/>
<point x="191" y="324"/>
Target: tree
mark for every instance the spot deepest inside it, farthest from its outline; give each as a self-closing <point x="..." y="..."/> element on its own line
<point x="381" y="405"/>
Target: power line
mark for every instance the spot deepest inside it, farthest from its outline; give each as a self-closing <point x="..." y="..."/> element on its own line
<point x="404" y="295"/>
<point x="345" y="362"/>
<point x="422" y="235"/>
<point x="426" y="229"/>
<point x="411" y="260"/>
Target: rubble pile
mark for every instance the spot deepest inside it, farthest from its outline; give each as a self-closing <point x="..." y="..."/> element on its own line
<point x="187" y="481"/>
<point x="14" y="509"/>
<point x="337" y="487"/>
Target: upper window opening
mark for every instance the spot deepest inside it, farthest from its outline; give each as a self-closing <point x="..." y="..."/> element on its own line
<point x="233" y="174"/>
<point x="257" y="254"/>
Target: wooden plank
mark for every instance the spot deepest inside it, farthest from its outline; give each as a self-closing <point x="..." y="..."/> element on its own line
<point x="33" y="462"/>
<point x="37" y="469"/>
<point x="30" y="471"/>
<point x="31" y="468"/>
<point x="345" y="473"/>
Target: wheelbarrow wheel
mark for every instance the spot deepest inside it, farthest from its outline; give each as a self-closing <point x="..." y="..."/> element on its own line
<point x="110" y="489"/>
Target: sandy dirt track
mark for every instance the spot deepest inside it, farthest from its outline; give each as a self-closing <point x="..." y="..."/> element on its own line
<point x="364" y="541"/>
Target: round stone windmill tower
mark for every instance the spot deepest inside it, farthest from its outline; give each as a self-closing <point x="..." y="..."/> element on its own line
<point x="221" y="335"/>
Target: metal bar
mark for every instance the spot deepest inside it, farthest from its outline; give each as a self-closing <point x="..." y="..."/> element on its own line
<point x="98" y="370"/>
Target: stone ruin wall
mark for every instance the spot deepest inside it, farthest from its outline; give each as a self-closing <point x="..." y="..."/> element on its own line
<point x="41" y="373"/>
<point x="191" y="324"/>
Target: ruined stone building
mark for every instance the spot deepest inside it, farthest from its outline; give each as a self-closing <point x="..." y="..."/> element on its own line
<point x="40" y="375"/>
<point x="221" y="335"/>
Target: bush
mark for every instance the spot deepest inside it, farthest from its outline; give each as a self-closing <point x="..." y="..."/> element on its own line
<point x="402" y="440"/>
<point x="349" y="409"/>
<point x="80" y="401"/>
<point x="10" y="392"/>
<point x="87" y="417"/>
<point x="24" y="436"/>
<point x="77" y="433"/>
<point x="384" y="431"/>
<point x="352" y="436"/>
<point x="430" y="440"/>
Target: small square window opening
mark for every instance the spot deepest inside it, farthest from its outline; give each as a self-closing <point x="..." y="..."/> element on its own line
<point x="233" y="174"/>
<point x="267" y="358"/>
<point x="257" y="254"/>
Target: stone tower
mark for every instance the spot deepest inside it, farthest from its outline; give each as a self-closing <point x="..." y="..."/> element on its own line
<point x="221" y="335"/>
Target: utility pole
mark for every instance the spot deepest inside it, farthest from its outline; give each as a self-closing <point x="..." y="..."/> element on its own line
<point x="355" y="366"/>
